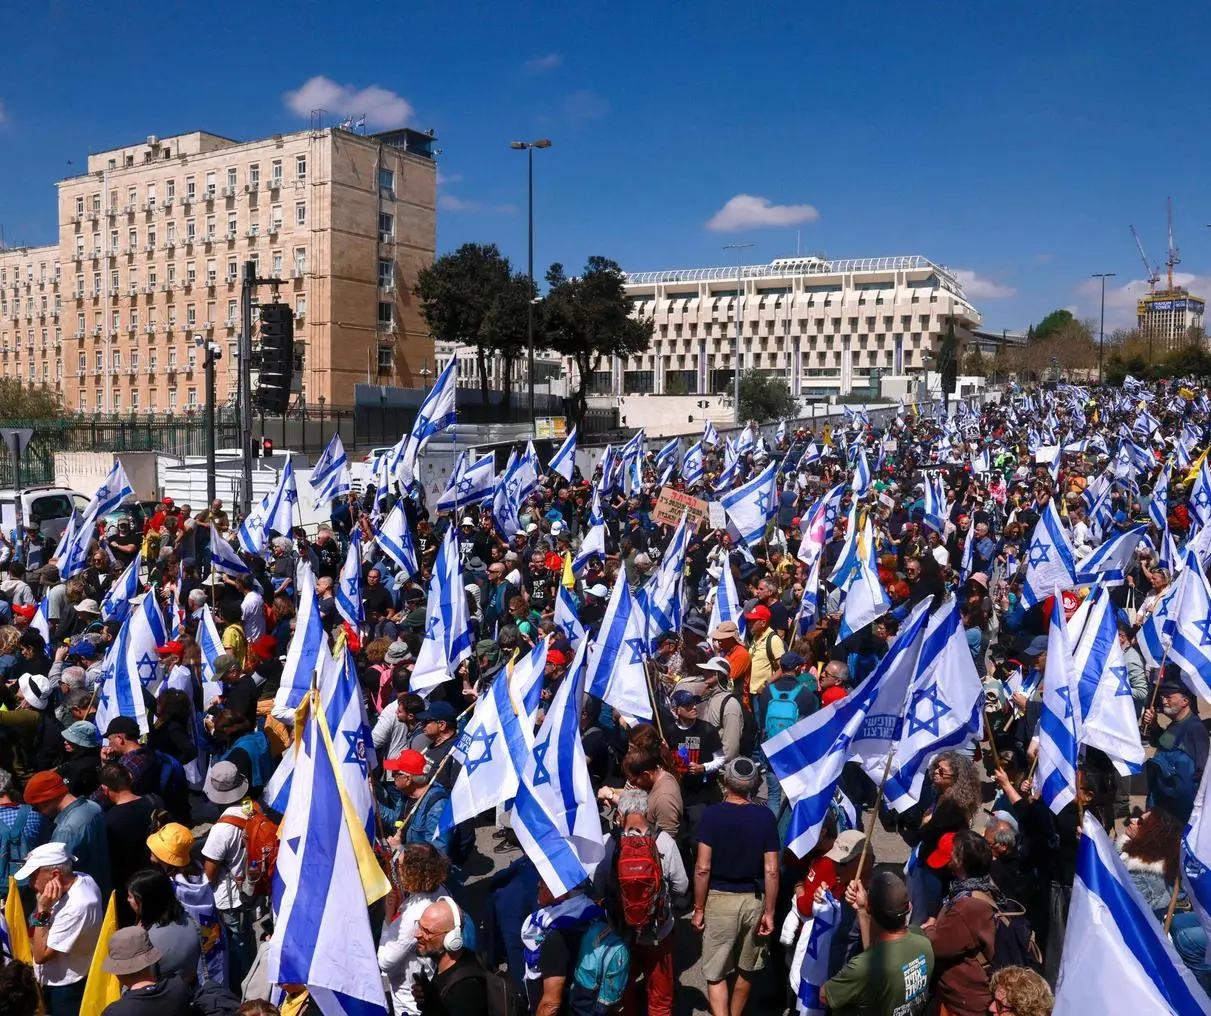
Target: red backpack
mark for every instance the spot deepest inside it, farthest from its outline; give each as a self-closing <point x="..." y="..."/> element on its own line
<point x="261" y="846"/>
<point x="642" y="899"/>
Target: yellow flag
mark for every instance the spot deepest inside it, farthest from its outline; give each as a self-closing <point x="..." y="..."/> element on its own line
<point x="18" y="926"/>
<point x="102" y="988"/>
<point x="569" y="579"/>
<point x="827" y="437"/>
<point x="1193" y="474"/>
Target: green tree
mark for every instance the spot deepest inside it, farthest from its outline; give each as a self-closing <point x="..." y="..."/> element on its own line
<point x="764" y="397"/>
<point x="974" y="364"/>
<point x="1051" y="324"/>
<point x="504" y="326"/>
<point x="590" y="316"/>
<point x="457" y="294"/>
<point x="27" y="402"/>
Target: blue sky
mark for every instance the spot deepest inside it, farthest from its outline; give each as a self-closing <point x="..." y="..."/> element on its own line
<point x="1013" y="142"/>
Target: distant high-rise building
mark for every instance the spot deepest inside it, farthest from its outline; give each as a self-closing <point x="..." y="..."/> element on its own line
<point x="1166" y="318"/>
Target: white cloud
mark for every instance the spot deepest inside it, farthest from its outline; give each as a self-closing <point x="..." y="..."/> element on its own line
<point x="586" y="105"/>
<point x="381" y="107"/>
<point x="977" y="287"/>
<point x="443" y="180"/>
<point x="450" y="203"/>
<point x="745" y="211"/>
<point x="544" y="63"/>
<point x="1121" y="300"/>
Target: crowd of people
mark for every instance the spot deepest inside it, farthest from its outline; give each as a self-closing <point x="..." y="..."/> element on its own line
<point x="698" y="901"/>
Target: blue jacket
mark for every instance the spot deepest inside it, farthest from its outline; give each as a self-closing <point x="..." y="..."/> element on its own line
<point x="426" y="824"/>
<point x="256" y="747"/>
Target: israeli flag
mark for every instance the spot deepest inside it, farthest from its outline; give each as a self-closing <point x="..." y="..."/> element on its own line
<point x="275" y="513"/>
<point x="470" y="483"/>
<point x="114" y="489"/>
<point x="66" y="541"/>
<point x="558" y="776"/>
<point x="935" y="504"/>
<point x="670" y="453"/>
<point x="809" y="967"/>
<point x="981" y="462"/>
<point x="1200" y="495"/>
<point x="211" y="646"/>
<point x="527" y="472"/>
<point x="969" y="547"/>
<point x="865" y="600"/>
<point x="819" y="524"/>
<point x="41" y="622"/>
<point x="116" y="604"/>
<point x="665" y="593"/>
<point x="325" y="878"/>
<point x="564" y="460"/>
<point x="1191" y="629"/>
<point x="487" y="777"/>
<point x="395" y="538"/>
<point x="1117" y="957"/>
<point x="1158" y="505"/>
<point x="382" y="483"/>
<point x="506" y="501"/>
<point x="1196" y="856"/>
<point x="727" y="605"/>
<point x="223" y="557"/>
<point x="945" y="707"/>
<point x="566" y="618"/>
<point x="448" y="637"/>
<point x="751" y="507"/>
<point x="131" y="664"/>
<point x="691" y="464"/>
<point x="808" y="615"/>
<point x="306" y="644"/>
<point x="1156" y="630"/>
<point x="349" y="585"/>
<point x="846" y="569"/>
<point x="808" y="757"/>
<point x="710" y="436"/>
<point x="436" y="413"/>
<point x="731" y="471"/>
<point x="593" y="543"/>
<point x="861" y="480"/>
<point x="1049" y="564"/>
<point x="330" y="474"/>
<point x="810" y="454"/>
<point x="1104" y="707"/>
<point x="616" y="673"/>
<point x="1108" y="563"/>
<point x="1057" y="757"/>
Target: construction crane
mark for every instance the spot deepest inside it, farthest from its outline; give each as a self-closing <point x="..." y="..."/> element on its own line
<point x="1174" y="257"/>
<point x="1151" y="272"/>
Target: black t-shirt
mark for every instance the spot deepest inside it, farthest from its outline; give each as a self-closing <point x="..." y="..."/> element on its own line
<point x="377" y="598"/>
<point x="241" y="697"/>
<point x="696" y="744"/>
<point x="127" y="827"/>
<point x="541" y="598"/>
<point x="327" y="559"/>
<point x="557" y="958"/>
<point x="460" y="989"/>
<point x="167" y="997"/>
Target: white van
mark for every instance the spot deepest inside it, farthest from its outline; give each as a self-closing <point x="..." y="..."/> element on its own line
<point x="50" y="506"/>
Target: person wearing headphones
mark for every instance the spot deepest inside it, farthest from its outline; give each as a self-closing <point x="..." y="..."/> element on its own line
<point x="459" y="985"/>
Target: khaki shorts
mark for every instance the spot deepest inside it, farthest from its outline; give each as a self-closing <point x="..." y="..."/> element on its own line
<point x="729" y="939"/>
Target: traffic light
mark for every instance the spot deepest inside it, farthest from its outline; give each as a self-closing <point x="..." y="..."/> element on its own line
<point x="277" y="357"/>
<point x="266" y="447"/>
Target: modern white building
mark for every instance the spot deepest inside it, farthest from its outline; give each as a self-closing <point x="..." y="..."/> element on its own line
<point x="828" y="327"/>
<point x="548" y="369"/>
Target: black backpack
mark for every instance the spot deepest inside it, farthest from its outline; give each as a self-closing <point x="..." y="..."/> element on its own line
<point x="503" y="999"/>
<point x="748" y="731"/>
<point x="1014" y="944"/>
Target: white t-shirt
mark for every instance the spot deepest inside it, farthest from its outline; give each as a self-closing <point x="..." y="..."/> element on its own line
<point x="75" y="927"/>
<point x="252" y="607"/>
<point x="225" y="846"/>
<point x="397" y="955"/>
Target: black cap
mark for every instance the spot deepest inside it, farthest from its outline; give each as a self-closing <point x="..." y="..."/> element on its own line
<point x="887" y="897"/>
<point x="123" y="725"/>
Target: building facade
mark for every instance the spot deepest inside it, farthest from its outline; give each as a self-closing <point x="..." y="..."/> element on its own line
<point x="1167" y="319"/>
<point x="548" y="369"/>
<point x="827" y="327"/>
<point x="152" y="244"/>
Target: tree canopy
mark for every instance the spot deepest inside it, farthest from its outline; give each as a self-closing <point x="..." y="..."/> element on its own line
<point x="765" y="397"/>
<point x="27" y="402"/>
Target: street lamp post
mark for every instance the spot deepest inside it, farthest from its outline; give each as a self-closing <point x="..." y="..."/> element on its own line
<point x="1101" y="331"/>
<point x="739" y="299"/>
<point x="528" y="147"/>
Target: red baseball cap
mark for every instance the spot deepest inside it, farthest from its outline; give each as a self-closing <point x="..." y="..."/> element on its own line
<point x="939" y="857"/>
<point x="407" y="761"/>
<point x="759" y="613"/>
<point x="557" y="657"/>
<point x="173" y="648"/>
<point x="26" y="611"/>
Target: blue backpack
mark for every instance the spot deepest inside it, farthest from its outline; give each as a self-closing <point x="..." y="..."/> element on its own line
<point x="1172" y="782"/>
<point x="10" y="844"/>
<point x="782" y="711"/>
<point x="172" y="787"/>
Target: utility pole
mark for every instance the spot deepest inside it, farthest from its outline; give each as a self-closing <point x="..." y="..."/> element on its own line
<point x="739" y="304"/>
<point x="1101" y="331"/>
<point x="210" y="353"/>
<point x="528" y="147"/>
<point x="245" y="390"/>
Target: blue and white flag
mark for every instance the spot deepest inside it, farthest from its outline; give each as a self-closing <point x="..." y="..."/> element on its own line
<point x="115" y="606"/>
<point x="709" y="434"/>
<point x="969" y="547"/>
<point x="670" y="452"/>
<point x="306" y="644"/>
<point x="471" y="484"/>
<point x="211" y="646"/>
<point x="865" y="598"/>
<point x="330" y="474"/>
<point x="752" y="506"/>
<point x="810" y="454"/>
<point x="1117" y="958"/>
<point x="557" y="774"/>
<point x="747" y="441"/>
<point x="1200" y="494"/>
<point x="1057" y="759"/>
<point x="436" y="413"/>
<point x="487" y="777"/>
<point x="448" y="636"/>
<point x="945" y="707"/>
<point x="593" y="543"/>
<point x="808" y="615"/>
<point x="274" y="513"/>
<point x="981" y="462"/>
<point x="564" y="460"/>
<point x="691" y="464"/>
<point x="506" y="502"/>
<point x="935" y="504"/>
<point x="861" y="480"/>
<point x="808" y="757"/>
<point x="114" y="489"/>
<point x="1191" y="627"/>
<point x="1158" y="505"/>
<point x="809" y="967"/>
<point x="1049" y="564"/>
<point x="616" y="673"/>
<point x="526" y="473"/>
<point x="349" y="585"/>
<point x="395" y="538"/>
<point x="131" y="664"/>
<point x="1196" y="856"/>
<point x="322" y="887"/>
<point x="224" y="558"/>
<point x="566" y="617"/>
<point x="1103" y="704"/>
<point x="40" y="622"/>
<point x="665" y="592"/>
<point x="1108" y="563"/>
<point x="780" y="433"/>
<point x="846" y="569"/>
<point x="382" y="483"/>
<point x="727" y="605"/>
<point x="66" y="540"/>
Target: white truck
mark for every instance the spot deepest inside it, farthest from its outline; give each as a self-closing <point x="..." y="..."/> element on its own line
<point x="50" y="506"/>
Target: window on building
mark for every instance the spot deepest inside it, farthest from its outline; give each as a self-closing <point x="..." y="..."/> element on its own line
<point x="191" y="230"/>
<point x="300" y="307"/>
<point x="300" y="214"/>
<point x="80" y="204"/>
<point x="190" y="188"/>
<point x="386" y="273"/>
<point x="386" y="314"/>
<point x="300" y="167"/>
<point x="300" y="260"/>
<point x="254" y="176"/>
<point x="386" y="183"/>
<point x="276" y="271"/>
<point x="386" y="227"/>
<point x="275" y="173"/>
<point x="210" y="183"/>
<point x="231" y="179"/>
<point x="170" y="189"/>
<point x="275" y="217"/>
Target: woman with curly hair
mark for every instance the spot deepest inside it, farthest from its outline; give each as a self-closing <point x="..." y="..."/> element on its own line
<point x="1017" y="991"/>
<point x="420" y="871"/>
<point x="1150" y="849"/>
<point x="956" y="786"/>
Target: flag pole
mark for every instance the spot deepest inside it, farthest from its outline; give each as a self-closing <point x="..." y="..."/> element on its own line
<point x="874" y="815"/>
<point x="1177" y="883"/>
<point x="1160" y="675"/>
<point x="402" y="826"/>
